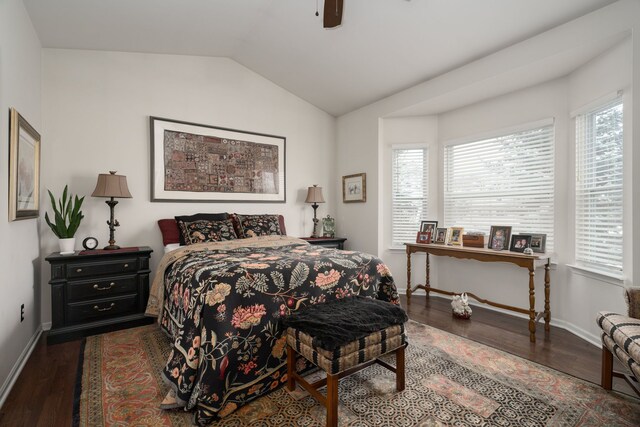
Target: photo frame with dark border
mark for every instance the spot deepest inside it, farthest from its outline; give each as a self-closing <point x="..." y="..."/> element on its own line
<point x="277" y="179"/>
<point x="441" y="236"/>
<point x="504" y="239"/>
<point x="538" y="243"/>
<point x="354" y="188"/>
<point x="519" y="242"/>
<point x="24" y="168"/>
<point x="429" y="226"/>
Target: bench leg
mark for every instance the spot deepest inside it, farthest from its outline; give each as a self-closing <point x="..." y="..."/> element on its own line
<point x="291" y="368"/>
<point x="607" y="368"/>
<point x="400" y="368"/>
<point x="332" y="400"/>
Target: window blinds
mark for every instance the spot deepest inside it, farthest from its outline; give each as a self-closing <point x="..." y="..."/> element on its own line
<point x="507" y="180"/>
<point x="599" y="198"/>
<point x="409" y="188"/>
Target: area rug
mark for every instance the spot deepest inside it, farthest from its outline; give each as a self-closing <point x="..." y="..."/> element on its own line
<point x="449" y="381"/>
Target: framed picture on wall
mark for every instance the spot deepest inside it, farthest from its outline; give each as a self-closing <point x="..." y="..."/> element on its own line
<point x="354" y="188"/>
<point x="24" y="168"/>
<point x="192" y="162"/>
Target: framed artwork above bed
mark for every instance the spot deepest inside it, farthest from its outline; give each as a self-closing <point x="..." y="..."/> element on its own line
<point x="201" y="163"/>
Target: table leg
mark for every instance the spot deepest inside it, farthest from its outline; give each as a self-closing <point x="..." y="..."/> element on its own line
<point x="427" y="280"/>
<point x="408" y="276"/>
<point x="532" y="305"/>
<point x="547" y="289"/>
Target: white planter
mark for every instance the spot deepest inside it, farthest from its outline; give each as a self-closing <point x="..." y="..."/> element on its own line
<point x="67" y="246"/>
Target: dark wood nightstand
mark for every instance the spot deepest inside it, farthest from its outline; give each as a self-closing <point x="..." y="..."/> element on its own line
<point x="98" y="291"/>
<point x="327" y="242"/>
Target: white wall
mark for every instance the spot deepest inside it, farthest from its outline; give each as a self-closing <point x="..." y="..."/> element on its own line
<point x="545" y="76"/>
<point x="20" y="251"/>
<point x="96" y="108"/>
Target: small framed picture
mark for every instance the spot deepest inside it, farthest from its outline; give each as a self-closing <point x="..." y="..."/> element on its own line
<point x="499" y="237"/>
<point x="455" y="236"/>
<point x="423" y="237"/>
<point x="429" y="226"/>
<point x="441" y="236"/>
<point x="519" y="242"/>
<point x="538" y="242"/>
<point x="354" y="188"/>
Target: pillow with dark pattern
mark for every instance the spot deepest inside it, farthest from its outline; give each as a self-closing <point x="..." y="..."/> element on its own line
<point x="198" y="217"/>
<point x="200" y="231"/>
<point x="257" y="225"/>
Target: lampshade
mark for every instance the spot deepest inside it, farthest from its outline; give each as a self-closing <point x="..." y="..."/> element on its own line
<point x="111" y="185"/>
<point x="314" y="195"/>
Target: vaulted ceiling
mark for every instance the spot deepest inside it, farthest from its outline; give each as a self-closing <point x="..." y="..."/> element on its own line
<point x="382" y="47"/>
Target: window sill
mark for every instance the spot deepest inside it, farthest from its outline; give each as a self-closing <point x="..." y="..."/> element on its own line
<point x="603" y="276"/>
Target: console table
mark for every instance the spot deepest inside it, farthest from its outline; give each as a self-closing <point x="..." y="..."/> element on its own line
<point x="529" y="262"/>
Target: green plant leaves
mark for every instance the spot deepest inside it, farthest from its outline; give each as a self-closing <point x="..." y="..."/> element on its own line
<point x="67" y="214"/>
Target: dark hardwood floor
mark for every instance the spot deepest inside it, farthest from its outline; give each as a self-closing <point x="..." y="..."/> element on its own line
<point x="43" y="394"/>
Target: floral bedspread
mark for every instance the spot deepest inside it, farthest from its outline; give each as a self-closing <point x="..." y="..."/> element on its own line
<point x="222" y="306"/>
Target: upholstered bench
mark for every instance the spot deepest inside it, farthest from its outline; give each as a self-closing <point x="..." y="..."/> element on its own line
<point x="342" y="337"/>
<point x="621" y="337"/>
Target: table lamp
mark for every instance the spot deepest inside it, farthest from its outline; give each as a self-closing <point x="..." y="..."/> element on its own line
<point x="314" y="195"/>
<point x="112" y="186"/>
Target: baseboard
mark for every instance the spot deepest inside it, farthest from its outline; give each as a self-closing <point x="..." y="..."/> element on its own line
<point x="46" y="326"/>
<point x="19" y="365"/>
<point x="558" y="323"/>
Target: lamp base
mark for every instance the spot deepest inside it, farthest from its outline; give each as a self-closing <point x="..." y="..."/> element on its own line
<point x="111" y="247"/>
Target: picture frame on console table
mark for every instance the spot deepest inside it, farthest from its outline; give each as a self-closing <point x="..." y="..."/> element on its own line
<point x="499" y="237"/>
<point x="538" y="243"/>
<point x="429" y="226"/>
<point x="441" y="235"/>
<point x="193" y="162"/>
<point x="24" y="168"/>
<point x="519" y="242"/>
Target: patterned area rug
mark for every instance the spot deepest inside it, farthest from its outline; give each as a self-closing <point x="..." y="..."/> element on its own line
<point x="450" y="381"/>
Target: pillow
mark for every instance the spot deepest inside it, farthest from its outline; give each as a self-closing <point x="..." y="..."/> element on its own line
<point x="257" y="225"/>
<point x="169" y="230"/>
<point x="197" y="217"/>
<point x="204" y="230"/>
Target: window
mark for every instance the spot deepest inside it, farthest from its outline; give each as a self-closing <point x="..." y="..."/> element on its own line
<point x="409" y="187"/>
<point x="506" y="180"/>
<point x="599" y="188"/>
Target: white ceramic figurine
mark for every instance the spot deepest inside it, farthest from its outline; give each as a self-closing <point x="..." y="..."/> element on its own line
<point x="460" y="306"/>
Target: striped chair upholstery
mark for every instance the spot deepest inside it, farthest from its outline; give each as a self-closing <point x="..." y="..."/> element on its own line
<point x="349" y="355"/>
<point x="374" y="327"/>
<point x="621" y="337"/>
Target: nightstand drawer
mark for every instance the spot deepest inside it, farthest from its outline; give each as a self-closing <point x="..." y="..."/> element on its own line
<point x="84" y="269"/>
<point x="103" y="288"/>
<point x="98" y="309"/>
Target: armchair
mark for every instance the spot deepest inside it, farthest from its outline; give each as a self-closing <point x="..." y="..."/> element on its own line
<point x="621" y="337"/>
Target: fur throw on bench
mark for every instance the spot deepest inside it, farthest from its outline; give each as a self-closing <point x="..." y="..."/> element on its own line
<point x="341" y="321"/>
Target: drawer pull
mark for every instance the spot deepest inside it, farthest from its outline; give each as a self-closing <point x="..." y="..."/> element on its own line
<point x="126" y="265"/>
<point x="96" y="308"/>
<point x="104" y="288"/>
<point x="79" y="270"/>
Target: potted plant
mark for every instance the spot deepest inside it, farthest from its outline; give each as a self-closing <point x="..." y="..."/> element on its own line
<point x="67" y="218"/>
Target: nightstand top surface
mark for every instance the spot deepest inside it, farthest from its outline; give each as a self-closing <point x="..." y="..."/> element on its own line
<point x="56" y="256"/>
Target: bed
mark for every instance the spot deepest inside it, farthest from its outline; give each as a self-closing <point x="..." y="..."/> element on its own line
<point x="220" y="304"/>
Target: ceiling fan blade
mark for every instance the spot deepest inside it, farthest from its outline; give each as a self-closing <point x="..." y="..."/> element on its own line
<point x="332" y="13"/>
